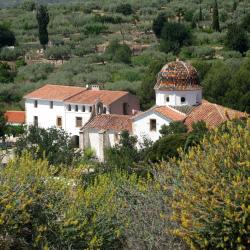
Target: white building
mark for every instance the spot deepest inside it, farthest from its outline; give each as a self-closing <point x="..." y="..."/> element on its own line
<point x="178" y="98"/>
<point x="98" y="116"/>
<point x="70" y="108"/>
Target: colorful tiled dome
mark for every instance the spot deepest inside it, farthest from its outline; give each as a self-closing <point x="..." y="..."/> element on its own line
<point x="178" y="75"/>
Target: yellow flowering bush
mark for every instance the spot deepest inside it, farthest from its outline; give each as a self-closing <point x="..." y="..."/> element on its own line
<point x="42" y="209"/>
<point x="210" y="190"/>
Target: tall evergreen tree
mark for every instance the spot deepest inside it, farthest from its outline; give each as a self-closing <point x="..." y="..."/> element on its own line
<point x="234" y="5"/>
<point x="216" y="23"/>
<point x="200" y="13"/>
<point x="42" y="17"/>
<point x="158" y="24"/>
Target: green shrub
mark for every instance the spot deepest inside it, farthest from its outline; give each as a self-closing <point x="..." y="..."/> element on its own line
<point x="33" y="72"/>
<point x="36" y="200"/>
<point x="6" y="74"/>
<point x="125" y="9"/>
<point x="11" y="54"/>
<point x="211" y="191"/>
<point x="46" y="143"/>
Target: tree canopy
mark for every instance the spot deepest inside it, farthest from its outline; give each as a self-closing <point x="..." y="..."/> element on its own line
<point x="7" y="37"/>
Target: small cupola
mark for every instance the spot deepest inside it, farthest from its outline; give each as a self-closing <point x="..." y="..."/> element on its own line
<point x="178" y="84"/>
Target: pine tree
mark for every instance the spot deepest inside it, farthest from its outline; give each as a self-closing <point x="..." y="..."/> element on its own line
<point x="42" y="17"/>
<point x="216" y="23"/>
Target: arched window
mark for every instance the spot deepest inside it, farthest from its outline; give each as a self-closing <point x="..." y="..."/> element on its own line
<point x="183" y="99"/>
<point x="167" y="99"/>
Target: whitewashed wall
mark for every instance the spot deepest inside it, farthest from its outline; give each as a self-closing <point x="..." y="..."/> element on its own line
<point x="141" y="126"/>
<point x="46" y="116"/>
<point x="193" y="97"/>
<point x="70" y="124"/>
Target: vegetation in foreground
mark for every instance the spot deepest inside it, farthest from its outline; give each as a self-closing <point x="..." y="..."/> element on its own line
<point x="200" y="200"/>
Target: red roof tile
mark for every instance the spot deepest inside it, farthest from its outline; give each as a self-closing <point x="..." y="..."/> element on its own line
<point x="91" y="96"/>
<point x="110" y="121"/>
<point x="55" y="92"/>
<point x="170" y="113"/>
<point x="213" y="114"/>
<point x="17" y="117"/>
<point x="178" y="75"/>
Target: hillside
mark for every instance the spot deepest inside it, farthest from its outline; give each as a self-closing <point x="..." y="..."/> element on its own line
<point x="80" y="31"/>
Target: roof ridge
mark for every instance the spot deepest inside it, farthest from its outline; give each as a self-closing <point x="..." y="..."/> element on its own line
<point x="176" y="110"/>
<point x="75" y="95"/>
<point x="14" y="111"/>
<point x="61" y="85"/>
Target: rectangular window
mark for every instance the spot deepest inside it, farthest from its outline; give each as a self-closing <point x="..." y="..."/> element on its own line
<point x="167" y="99"/>
<point x="83" y="108"/>
<point x="51" y="104"/>
<point x="76" y="108"/>
<point x="59" y="121"/>
<point x="78" y="122"/>
<point x="69" y="107"/>
<point x="35" y="104"/>
<point x="90" y="109"/>
<point x="36" y="121"/>
<point x="152" y="125"/>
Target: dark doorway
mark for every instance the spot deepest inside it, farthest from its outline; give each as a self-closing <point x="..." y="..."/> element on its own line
<point x="75" y="141"/>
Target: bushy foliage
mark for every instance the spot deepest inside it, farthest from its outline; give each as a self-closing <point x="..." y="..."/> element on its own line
<point x="224" y="83"/>
<point x="58" y="53"/>
<point x="174" y="36"/>
<point x="36" y="200"/>
<point x="53" y="144"/>
<point x="124" y="154"/>
<point x="119" y="52"/>
<point x="28" y="5"/>
<point x="33" y="72"/>
<point x="158" y="24"/>
<point x="7" y="37"/>
<point x="125" y="9"/>
<point x="147" y="94"/>
<point x="173" y="128"/>
<point x="11" y="54"/>
<point x="6" y="74"/>
<point x="210" y="191"/>
<point x="166" y="147"/>
<point x="239" y="41"/>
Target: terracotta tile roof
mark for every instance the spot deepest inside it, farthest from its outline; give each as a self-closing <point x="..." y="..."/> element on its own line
<point x="213" y="114"/>
<point x="170" y="113"/>
<point x="178" y="75"/>
<point x="55" y="92"/>
<point x="17" y="117"/>
<point x="91" y="96"/>
<point x="110" y="121"/>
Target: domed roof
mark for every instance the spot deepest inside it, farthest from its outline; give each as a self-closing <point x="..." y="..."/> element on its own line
<point x="178" y="75"/>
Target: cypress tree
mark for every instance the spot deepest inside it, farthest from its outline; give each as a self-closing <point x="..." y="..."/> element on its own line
<point x="234" y="5"/>
<point x="216" y="23"/>
<point x="42" y="17"/>
<point x="200" y="13"/>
